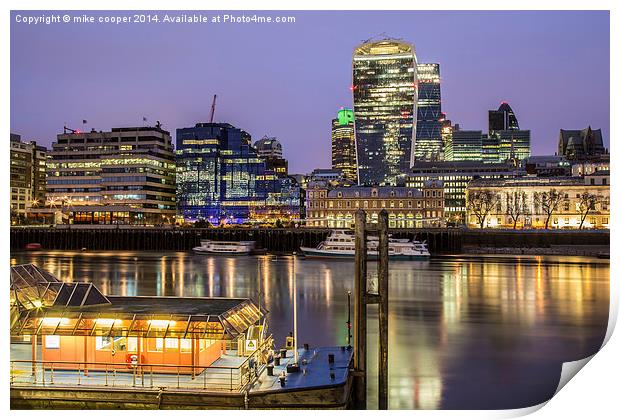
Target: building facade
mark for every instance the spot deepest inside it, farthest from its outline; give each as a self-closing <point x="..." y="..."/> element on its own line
<point x="512" y="144"/>
<point x="407" y="207"/>
<point x="535" y="196"/>
<point x="496" y="147"/>
<point x="27" y="175"/>
<point x="502" y="119"/>
<point x="126" y="175"/>
<point x="455" y="177"/>
<point x="429" y="144"/>
<point x="270" y="150"/>
<point x="344" y="155"/>
<point x="464" y="145"/>
<point x="578" y="145"/>
<point x="222" y="179"/>
<point x="385" y="97"/>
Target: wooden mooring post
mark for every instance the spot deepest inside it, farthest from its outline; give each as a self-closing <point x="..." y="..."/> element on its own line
<point x="359" y="310"/>
<point x="362" y="299"/>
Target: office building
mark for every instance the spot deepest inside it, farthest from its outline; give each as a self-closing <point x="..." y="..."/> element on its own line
<point x="126" y="175"/>
<point x="533" y="192"/>
<point x="429" y="145"/>
<point x="502" y="119"/>
<point x="270" y="150"/>
<point x="222" y="179"/>
<point x="505" y="137"/>
<point x="407" y="207"/>
<point x="464" y="145"/>
<point x="27" y="176"/>
<point x="385" y="100"/>
<point x="513" y="144"/>
<point x="455" y="177"/>
<point x="579" y="145"/>
<point x="343" y="144"/>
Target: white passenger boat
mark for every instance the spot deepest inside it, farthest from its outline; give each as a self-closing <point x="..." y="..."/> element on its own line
<point x="225" y="247"/>
<point x="341" y="244"/>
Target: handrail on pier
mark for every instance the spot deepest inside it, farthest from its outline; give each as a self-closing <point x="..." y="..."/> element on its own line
<point x="122" y="375"/>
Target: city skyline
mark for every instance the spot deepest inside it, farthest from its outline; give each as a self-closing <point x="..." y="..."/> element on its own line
<point x="258" y="98"/>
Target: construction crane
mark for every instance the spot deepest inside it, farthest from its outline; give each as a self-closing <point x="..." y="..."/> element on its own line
<point x="212" y="109"/>
<point x="65" y="129"/>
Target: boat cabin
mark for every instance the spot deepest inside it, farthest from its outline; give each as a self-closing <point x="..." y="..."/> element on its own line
<point x="78" y="325"/>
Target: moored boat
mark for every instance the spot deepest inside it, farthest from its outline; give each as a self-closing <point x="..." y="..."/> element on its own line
<point x="341" y="244"/>
<point x="225" y="247"/>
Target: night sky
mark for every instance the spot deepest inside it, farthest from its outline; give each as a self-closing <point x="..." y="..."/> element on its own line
<point x="289" y="80"/>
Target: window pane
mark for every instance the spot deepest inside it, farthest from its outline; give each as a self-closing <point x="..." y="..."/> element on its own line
<point x="132" y="344"/>
<point x="52" y="341"/>
<point x="186" y="345"/>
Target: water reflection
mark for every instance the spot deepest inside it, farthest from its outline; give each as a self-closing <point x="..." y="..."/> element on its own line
<point x="464" y="333"/>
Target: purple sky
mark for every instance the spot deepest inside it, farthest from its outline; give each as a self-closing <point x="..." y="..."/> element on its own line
<point x="289" y="80"/>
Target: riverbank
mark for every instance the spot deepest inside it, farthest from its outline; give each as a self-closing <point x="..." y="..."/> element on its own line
<point x="566" y="250"/>
<point x="288" y="240"/>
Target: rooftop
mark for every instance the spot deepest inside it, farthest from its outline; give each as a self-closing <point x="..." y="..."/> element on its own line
<point x="43" y="304"/>
<point x="381" y="192"/>
<point x="559" y="181"/>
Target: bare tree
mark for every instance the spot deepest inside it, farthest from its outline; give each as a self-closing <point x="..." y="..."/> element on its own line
<point x="481" y="203"/>
<point x="587" y="202"/>
<point x="516" y="205"/>
<point x="549" y="202"/>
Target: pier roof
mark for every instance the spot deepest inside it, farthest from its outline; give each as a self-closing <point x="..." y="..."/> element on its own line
<point x="43" y="304"/>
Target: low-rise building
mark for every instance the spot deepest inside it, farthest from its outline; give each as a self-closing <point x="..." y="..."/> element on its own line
<point x="455" y="177"/>
<point x="540" y="202"/>
<point x="553" y="165"/>
<point x="407" y="207"/>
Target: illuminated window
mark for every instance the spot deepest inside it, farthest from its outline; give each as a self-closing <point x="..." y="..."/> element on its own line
<point x="159" y="345"/>
<point x="172" y="343"/>
<point x="132" y="344"/>
<point x="52" y="341"/>
<point x="186" y="345"/>
<point x="103" y="343"/>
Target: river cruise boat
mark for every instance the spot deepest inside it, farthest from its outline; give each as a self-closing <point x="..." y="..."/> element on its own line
<point x="225" y="247"/>
<point x="341" y="244"/>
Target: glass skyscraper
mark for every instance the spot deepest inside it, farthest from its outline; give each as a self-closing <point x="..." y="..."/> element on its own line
<point x="222" y="179"/>
<point x="343" y="144"/>
<point x="385" y="97"/>
<point x="502" y="119"/>
<point x="428" y="145"/>
<point x="512" y="142"/>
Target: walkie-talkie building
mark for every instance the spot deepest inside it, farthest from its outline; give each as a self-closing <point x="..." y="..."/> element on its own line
<point x="429" y="145"/>
<point x="385" y="99"/>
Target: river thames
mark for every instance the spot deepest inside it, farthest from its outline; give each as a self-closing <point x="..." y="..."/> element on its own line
<point x="465" y="332"/>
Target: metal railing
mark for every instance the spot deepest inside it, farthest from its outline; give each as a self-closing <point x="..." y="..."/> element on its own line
<point x="146" y="376"/>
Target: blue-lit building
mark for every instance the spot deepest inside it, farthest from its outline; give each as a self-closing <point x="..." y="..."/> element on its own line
<point x="222" y="179"/>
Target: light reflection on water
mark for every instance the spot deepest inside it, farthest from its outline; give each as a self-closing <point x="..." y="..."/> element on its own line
<point x="464" y="332"/>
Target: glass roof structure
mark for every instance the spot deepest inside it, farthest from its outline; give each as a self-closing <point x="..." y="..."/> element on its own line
<point x="41" y="304"/>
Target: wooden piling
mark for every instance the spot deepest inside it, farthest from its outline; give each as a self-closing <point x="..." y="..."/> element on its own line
<point x="383" y="309"/>
<point x="359" y="332"/>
